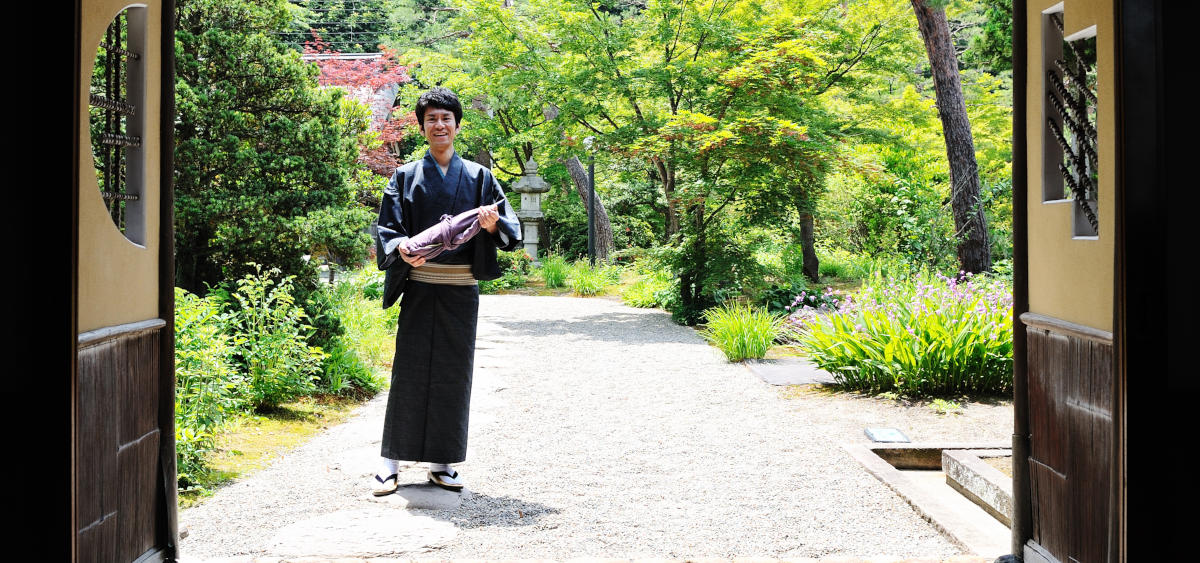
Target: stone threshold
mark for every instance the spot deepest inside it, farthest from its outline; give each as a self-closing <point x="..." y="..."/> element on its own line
<point x="972" y="532"/>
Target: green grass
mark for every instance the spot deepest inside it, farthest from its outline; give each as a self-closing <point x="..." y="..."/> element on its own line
<point x="587" y="281"/>
<point x="251" y="442"/>
<point x="741" y="331"/>
<point x="554" y="271"/>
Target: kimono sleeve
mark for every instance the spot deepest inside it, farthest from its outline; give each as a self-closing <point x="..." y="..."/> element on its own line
<point x="390" y="232"/>
<point x="508" y="231"/>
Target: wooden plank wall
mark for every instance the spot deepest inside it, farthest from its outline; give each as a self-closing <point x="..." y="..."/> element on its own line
<point x="1070" y="425"/>
<point x="120" y="498"/>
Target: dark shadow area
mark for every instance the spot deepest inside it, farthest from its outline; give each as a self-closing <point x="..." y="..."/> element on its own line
<point x="612" y="327"/>
<point x="482" y="511"/>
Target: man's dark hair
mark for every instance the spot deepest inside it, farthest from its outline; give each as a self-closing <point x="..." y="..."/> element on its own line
<point x="441" y="98"/>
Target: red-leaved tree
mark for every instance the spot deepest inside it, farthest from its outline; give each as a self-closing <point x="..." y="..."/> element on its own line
<point x="373" y="80"/>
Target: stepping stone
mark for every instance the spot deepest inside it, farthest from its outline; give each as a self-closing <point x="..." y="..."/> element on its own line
<point x="425" y="496"/>
<point x="788" y="371"/>
<point x="371" y="532"/>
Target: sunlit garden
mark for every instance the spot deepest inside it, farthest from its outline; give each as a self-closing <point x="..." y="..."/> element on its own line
<point x="774" y="174"/>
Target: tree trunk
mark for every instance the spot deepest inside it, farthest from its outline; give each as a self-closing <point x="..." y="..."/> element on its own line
<point x="808" y="247"/>
<point x="974" y="254"/>
<point x="604" y="234"/>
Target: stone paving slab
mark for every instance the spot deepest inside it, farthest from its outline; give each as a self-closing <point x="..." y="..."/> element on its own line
<point x="788" y="371"/>
<point x="360" y="533"/>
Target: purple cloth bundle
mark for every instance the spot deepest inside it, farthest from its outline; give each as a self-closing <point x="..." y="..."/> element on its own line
<point x="447" y="234"/>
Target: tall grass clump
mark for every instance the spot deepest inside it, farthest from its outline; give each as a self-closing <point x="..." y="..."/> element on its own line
<point x="741" y="331"/>
<point x="367" y="337"/>
<point x="554" y="270"/>
<point x="208" y="386"/>
<point x="919" y="335"/>
<point x="585" y="280"/>
<point x="370" y="328"/>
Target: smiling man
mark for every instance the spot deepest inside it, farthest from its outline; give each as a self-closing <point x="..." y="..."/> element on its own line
<point x="430" y="397"/>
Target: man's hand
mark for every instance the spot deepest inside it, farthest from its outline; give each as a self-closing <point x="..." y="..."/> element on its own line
<point x="412" y="259"/>
<point x="488" y="217"/>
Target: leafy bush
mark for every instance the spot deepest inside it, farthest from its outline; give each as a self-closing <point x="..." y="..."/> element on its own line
<point x="779" y="298"/>
<point x="514" y="267"/>
<point x="345" y="373"/>
<point x="207" y="386"/>
<point x="652" y="289"/>
<point x="741" y="331"/>
<point x="554" y="270"/>
<point x="919" y="335"/>
<point x="273" y="347"/>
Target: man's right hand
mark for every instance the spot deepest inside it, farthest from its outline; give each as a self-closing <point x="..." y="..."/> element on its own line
<point x="412" y="259"/>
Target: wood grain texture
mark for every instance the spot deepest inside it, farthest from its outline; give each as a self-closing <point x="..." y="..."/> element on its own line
<point x="1071" y="425"/>
<point x="119" y="503"/>
<point x="137" y="465"/>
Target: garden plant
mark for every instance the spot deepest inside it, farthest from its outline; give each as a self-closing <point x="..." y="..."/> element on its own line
<point x="920" y="335"/>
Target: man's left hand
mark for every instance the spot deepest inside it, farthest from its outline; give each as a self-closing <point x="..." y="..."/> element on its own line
<point x="488" y="215"/>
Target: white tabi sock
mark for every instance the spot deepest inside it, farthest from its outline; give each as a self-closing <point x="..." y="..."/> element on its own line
<point x="388" y="467"/>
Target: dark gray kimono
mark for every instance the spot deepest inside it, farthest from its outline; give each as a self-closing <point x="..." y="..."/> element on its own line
<point x="430" y="397"/>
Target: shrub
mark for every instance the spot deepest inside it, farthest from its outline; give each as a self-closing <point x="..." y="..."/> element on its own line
<point x="273" y="348"/>
<point x="345" y="373"/>
<point x="514" y="267"/>
<point x="779" y="298"/>
<point x="919" y="335"/>
<point x="207" y="386"/>
<point x="554" y="271"/>
<point x="651" y="290"/>
<point x="741" y="331"/>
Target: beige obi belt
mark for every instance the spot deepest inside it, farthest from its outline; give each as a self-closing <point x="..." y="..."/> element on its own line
<point x="443" y="274"/>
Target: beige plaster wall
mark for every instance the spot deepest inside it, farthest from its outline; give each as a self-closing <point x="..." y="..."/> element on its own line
<point x="118" y="280"/>
<point x="1072" y="278"/>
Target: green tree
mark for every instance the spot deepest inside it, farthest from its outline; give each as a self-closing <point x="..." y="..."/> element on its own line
<point x="262" y="153"/>
<point x="727" y="105"/>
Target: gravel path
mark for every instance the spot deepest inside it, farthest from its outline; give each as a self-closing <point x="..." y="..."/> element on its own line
<point x="599" y="430"/>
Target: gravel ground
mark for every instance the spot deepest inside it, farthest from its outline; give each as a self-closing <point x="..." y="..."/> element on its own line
<point x="599" y="430"/>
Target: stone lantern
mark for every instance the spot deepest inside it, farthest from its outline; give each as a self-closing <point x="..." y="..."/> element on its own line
<point x="531" y="186"/>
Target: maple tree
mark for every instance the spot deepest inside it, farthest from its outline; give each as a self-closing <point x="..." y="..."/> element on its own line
<point x="373" y="81"/>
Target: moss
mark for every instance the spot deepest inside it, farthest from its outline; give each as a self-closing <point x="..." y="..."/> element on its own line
<point x="251" y="442"/>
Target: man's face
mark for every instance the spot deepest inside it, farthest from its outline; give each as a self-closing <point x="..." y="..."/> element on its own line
<point x="439" y="128"/>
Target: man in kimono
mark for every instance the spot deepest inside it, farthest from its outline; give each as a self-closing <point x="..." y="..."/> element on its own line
<point x="429" y="400"/>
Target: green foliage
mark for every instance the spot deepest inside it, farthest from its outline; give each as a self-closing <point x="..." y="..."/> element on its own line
<point x="273" y="349"/>
<point x="365" y="341"/>
<point x="944" y="407"/>
<point x="369" y="328"/>
<point x="262" y="154"/>
<point x="992" y="45"/>
<point x="554" y="270"/>
<point x="918" y="335"/>
<point x="208" y="388"/>
<point x="514" y="268"/>
<point x="741" y="331"/>
<point x="585" y="280"/>
<point x="652" y="289"/>
<point x="351" y="27"/>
